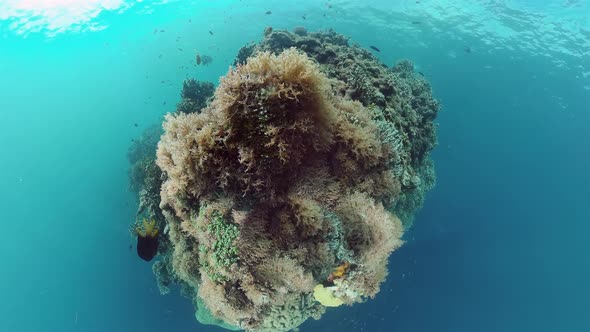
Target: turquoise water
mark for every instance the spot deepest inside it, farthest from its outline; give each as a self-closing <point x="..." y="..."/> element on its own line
<point x="500" y="245"/>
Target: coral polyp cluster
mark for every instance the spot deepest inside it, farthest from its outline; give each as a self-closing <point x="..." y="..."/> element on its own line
<point x="282" y="195"/>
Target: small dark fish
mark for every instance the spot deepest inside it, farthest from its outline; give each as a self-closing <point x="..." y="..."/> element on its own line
<point x="190" y="20"/>
<point x="180" y="49"/>
<point x="162" y="30"/>
<point x="467" y="49"/>
<point x="416" y="22"/>
<point x="198" y="58"/>
<point x="160" y="56"/>
<point x="211" y="32"/>
<point x="206" y="60"/>
<point x="303" y="17"/>
<point x="421" y="73"/>
<point x="133" y="140"/>
<point x="163" y="103"/>
<point x="135" y="124"/>
<point x="268" y="12"/>
<point x="130" y="246"/>
<point x="375" y="48"/>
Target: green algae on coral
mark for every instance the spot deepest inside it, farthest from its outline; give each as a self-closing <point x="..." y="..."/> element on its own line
<point x="224" y="252"/>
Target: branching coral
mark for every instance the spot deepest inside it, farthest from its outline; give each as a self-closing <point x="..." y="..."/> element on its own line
<point x="283" y="187"/>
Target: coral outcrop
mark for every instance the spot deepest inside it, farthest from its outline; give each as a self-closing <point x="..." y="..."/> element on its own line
<point x="287" y="193"/>
<point x="144" y="176"/>
<point x="194" y="96"/>
<point x="399" y="96"/>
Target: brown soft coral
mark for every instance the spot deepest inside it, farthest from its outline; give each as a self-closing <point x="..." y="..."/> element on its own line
<point x="276" y="114"/>
<point x="372" y="233"/>
<point x="270" y="187"/>
<point x="268" y="116"/>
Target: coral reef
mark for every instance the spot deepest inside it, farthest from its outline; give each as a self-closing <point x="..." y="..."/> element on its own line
<point x="145" y="180"/>
<point x="194" y="96"/>
<point x="288" y="191"/>
<point x="141" y="149"/>
<point x="399" y="98"/>
<point x="145" y="177"/>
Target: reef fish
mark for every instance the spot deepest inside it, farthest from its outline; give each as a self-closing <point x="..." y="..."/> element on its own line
<point x="375" y="48"/>
<point x="147" y="240"/>
<point x="198" y="59"/>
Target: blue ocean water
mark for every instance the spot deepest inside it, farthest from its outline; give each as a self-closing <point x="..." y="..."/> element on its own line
<point x="501" y="243"/>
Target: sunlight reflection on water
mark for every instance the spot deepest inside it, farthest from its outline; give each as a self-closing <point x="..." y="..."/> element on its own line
<point x="56" y="16"/>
